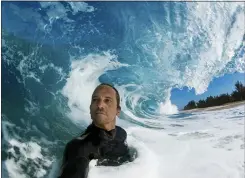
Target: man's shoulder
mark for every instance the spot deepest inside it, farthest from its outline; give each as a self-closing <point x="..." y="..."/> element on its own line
<point x="78" y="140"/>
<point x="121" y="133"/>
<point x="121" y="130"/>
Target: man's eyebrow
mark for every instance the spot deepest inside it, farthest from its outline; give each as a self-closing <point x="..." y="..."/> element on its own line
<point x="95" y="96"/>
<point x="108" y="97"/>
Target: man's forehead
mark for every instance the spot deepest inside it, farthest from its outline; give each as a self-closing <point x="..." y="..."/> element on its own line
<point x="105" y="90"/>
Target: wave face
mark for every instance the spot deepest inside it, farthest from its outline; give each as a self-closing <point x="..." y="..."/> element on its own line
<point x="55" y="53"/>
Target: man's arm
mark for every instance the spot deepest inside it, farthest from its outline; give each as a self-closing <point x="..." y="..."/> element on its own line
<point x="77" y="168"/>
<point x="74" y="165"/>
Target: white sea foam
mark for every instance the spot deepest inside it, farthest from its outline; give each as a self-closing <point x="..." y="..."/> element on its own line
<point x="58" y="70"/>
<point x="81" y="6"/>
<point x="167" y="107"/>
<point x="203" y="144"/>
<point x="56" y="10"/>
<point x="29" y="152"/>
<point x="223" y="38"/>
<point x="208" y="144"/>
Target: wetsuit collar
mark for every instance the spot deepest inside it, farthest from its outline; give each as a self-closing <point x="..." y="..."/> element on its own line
<point x="101" y="133"/>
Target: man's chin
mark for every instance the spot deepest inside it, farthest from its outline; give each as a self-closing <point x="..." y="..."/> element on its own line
<point x="100" y="118"/>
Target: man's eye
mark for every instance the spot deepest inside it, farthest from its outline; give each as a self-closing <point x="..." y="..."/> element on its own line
<point x="94" y="99"/>
<point x="107" y="100"/>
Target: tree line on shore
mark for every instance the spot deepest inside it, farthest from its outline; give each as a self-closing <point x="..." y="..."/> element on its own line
<point x="237" y="95"/>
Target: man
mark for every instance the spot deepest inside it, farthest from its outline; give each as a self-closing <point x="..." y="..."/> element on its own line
<point x="102" y="140"/>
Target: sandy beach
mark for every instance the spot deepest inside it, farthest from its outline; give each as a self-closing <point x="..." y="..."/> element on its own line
<point x="215" y="108"/>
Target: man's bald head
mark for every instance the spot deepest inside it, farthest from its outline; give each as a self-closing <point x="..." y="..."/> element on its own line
<point x="117" y="93"/>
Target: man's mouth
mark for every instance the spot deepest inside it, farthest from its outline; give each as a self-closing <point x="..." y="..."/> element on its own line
<point x="100" y="113"/>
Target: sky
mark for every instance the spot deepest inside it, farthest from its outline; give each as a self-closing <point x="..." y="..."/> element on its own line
<point x="224" y="84"/>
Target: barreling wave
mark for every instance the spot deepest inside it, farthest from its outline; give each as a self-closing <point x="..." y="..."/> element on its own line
<point x="55" y="53"/>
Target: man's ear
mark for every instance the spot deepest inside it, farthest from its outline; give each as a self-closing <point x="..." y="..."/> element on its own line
<point x="118" y="110"/>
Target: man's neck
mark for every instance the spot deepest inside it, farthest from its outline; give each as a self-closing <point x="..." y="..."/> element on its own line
<point x="107" y="127"/>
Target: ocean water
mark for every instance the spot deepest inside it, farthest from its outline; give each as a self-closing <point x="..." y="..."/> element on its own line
<point x="55" y="53"/>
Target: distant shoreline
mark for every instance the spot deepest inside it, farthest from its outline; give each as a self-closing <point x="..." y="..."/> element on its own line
<point x="216" y="108"/>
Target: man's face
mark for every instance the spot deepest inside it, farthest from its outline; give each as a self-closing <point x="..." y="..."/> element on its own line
<point x="103" y="107"/>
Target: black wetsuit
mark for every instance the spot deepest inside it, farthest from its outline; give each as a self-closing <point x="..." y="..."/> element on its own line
<point x="109" y="147"/>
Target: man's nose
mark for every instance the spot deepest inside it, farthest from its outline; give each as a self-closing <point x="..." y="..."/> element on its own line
<point x="100" y="104"/>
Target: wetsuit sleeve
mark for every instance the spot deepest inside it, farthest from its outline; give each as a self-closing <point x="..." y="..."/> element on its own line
<point x="74" y="165"/>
